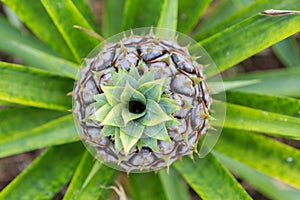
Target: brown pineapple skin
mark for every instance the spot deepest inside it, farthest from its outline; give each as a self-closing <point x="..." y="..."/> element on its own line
<point x="167" y="59"/>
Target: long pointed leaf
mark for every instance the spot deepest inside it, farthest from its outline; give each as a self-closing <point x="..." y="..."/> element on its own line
<point x="210" y="179"/>
<point x="83" y="188"/>
<point x="84" y="7"/>
<point x="55" y="132"/>
<point x="276" y="104"/>
<point x="173" y="184"/>
<point x="264" y="154"/>
<point x="15" y="120"/>
<point x="112" y="17"/>
<point x="276" y="82"/>
<point x="270" y="187"/>
<point x="140" y="13"/>
<point x="46" y="175"/>
<point x="168" y="15"/>
<point x="78" y="41"/>
<point x="27" y="86"/>
<point x="244" y="118"/>
<point x="153" y="191"/>
<point x="288" y="51"/>
<point x="238" y="42"/>
<point x="189" y="13"/>
<point x="28" y="11"/>
<point x="251" y="9"/>
<point x="221" y="11"/>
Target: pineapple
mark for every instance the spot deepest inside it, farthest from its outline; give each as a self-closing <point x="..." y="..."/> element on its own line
<point x="141" y="103"/>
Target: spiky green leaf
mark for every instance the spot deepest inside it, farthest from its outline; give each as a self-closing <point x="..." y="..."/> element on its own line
<point x="153" y="89"/>
<point x="168" y="105"/>
<point x="112" y="94"/>
<point x="146" y="77"/>
<point x="100" y="99"/>
<point x="114" y="117"/>
<point x="101" y="113"/>
<point x="130" y="135"/>
<point x="189" y="13"/>
<point x="129" y="116"/>
<point x="108" y="131"/>
<point x="158" y="132"/>
<point x="168" y="15"/>
<point x="131" y="94"/>
<point x="267" y="185"/>
<point x="150" y="142"/>
<point x="154" y="114"/>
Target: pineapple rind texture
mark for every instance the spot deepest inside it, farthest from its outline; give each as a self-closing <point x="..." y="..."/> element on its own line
<point x="185" y="89"/>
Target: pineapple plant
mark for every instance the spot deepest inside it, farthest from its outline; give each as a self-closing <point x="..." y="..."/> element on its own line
<point x="146" y="97"/>
<point x="41" y="51"/>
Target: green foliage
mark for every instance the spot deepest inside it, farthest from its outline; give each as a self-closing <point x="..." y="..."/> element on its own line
<point x="34" y="100"/>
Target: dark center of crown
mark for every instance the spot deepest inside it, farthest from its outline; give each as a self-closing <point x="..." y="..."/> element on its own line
<point x="136" y="107"/>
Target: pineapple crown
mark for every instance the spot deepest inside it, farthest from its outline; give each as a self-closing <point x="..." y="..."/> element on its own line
<point x="134" y="110"/>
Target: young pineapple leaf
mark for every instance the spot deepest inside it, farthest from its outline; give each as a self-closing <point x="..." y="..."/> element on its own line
<point x="129" y="116"/>
<point x="101" y="113"/>
<point x="168" y="105"/>
<point x="112" y="94"/>
<point x="118" y="142"/>
<point x="100" y="99"/>
<point x="130" y="135"/>
<point x="131" y="94"/>
<point x="154" y="114"/>
<point x="51" y="94"/>
<point x="108" y="131"/>
<point x="168" y="15"/>
<point x="153" y="90"/>
<point x="147" y="77"/>
<point x="150" y="142"/>
<point x="114" y="117"/>
<point x="158" y="132"/>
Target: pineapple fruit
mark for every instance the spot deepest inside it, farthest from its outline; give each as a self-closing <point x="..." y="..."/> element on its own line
<point x="141" y="103"/>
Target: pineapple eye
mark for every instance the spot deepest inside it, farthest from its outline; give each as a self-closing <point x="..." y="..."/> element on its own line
<point x="136" y="107"/>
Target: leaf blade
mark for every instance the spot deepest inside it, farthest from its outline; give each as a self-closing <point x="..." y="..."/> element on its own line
<point x="168" y="15"/>
<point x="265" y="184"/>
<point x="175" y="188"/>
<point x="233" y="45"/>
<point x="154" y="190"/>
<point x="28" y="11"/>
<point x="83" y="188"/>
<point x="72" y="16"/>
<point x="243" y="118"/>
<point x="55" y="132"/>
<point x="265" y="154"/>
<point x="189" y="12"/>
<point x="41" y="181"/>
<point x="211" y="173"/>
<point x="39" y="89"/>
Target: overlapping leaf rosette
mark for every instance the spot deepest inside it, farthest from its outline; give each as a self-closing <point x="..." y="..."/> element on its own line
<point x="142" y="100"/>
